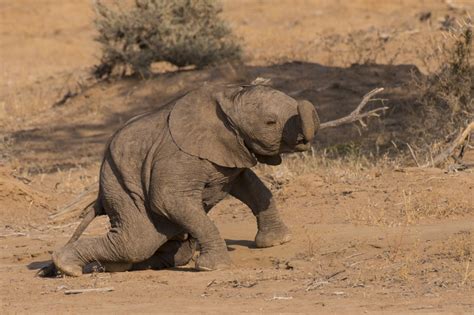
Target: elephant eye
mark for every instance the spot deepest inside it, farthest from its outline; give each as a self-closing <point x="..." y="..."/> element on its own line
<point x="271" y="122"/>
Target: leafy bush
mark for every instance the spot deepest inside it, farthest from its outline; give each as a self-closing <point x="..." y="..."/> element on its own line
<point x="182" y="32"/>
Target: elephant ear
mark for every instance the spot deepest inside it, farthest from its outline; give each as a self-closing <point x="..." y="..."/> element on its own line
<point x="200" y="128"/>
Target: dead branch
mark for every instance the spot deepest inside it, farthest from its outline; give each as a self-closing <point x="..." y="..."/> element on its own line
<point x="356" y="114"/>
<point x="448" y="151"/>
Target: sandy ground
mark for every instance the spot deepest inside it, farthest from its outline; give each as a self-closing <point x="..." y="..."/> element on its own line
<point x="381" y="238"/>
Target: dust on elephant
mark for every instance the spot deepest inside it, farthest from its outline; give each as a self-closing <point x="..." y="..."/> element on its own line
<point x="164" y="171"/>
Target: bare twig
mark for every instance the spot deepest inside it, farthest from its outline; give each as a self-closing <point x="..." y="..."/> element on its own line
<point x="448" y="151"/>
<point x="413" y="155"/>
<point x="78" y="291"/>
<point x="66" y="97"/>
<point x="335" y="274"/>
<point x="356" y="114"/>
<point x="315" y="285"/>
<point x="71" y="206"/>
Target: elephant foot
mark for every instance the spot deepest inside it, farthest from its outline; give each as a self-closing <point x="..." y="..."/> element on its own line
<point x="67" y="263"/>
<point x="48" y="271"/>
<point x="213" y="260"/>
<point x="185" y="252"/>
<point x="272" y="237"/>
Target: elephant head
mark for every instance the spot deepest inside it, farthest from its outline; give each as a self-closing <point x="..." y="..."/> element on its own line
<point x="238" y="126"/>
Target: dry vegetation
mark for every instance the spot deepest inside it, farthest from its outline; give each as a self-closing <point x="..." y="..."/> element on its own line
<point x="446" y="97"/>
<point x="183" y="33"/>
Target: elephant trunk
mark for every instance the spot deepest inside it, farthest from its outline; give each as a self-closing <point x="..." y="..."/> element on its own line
<point x="309" y="119"/>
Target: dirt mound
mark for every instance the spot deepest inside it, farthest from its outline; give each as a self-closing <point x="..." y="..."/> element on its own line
<point x="21" y="204"/>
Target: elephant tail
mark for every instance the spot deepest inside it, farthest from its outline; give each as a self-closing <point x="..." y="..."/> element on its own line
<point x="89" y="213"/>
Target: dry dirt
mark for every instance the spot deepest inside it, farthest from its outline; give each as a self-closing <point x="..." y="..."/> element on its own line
<point x="382" y="238"/>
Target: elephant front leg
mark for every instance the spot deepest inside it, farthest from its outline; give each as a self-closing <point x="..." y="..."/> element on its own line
<point x="187" y="212"/>
<point x="249" y="189"/>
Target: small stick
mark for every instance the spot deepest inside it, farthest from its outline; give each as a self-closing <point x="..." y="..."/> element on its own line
<point x="315" y="285"/>
<point x="356" y="114"/>
<point x="281" y="298"/>
<point x="335" y="274"/>
<point x="79" y="291"/>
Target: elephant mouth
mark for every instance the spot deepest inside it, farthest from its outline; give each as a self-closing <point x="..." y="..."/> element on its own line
<point x="302" y="143"/>
<point x="299" y="145"/>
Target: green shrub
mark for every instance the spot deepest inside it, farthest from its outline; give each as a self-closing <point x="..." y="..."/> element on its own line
<point x="182" y="32"/>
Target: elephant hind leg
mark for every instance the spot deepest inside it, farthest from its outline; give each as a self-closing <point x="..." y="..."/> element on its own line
<point x="173" y="253"/>
<point x="133" y="242"/>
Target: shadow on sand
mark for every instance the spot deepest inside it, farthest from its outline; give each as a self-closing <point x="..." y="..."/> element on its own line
<point x="80" y="129"/>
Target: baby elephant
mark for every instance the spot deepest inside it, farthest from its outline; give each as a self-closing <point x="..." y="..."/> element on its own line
<point x="164" y="171"/>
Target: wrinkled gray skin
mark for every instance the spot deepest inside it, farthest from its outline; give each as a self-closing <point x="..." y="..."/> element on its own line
<point x="164" y="171"/>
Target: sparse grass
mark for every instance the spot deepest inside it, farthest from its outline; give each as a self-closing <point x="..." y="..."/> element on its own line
<point x="371" y="214"/>
<point x="385" y="205"/>
<point x="418" y="206"/>
<point x="412" y="262"/>
<point x="361" y="47"/>
<point x="313" y="244"/>
<point x="446" y="101"/>
<point x="459" y="249"/>
<point x="181" y="32"/>
<point x="370" y="47"/>
<point x="346" y="158"/>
